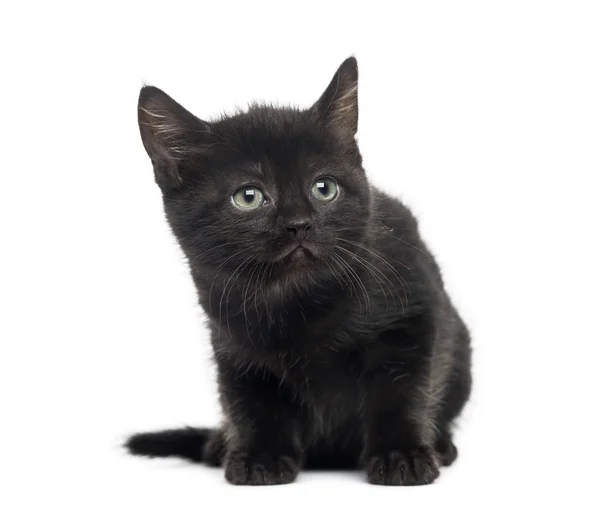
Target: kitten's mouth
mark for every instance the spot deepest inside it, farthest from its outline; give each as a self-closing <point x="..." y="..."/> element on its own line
<point x="297" y="253"/>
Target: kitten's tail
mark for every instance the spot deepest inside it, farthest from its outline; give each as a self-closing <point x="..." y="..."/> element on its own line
<point x="196" y="445"/>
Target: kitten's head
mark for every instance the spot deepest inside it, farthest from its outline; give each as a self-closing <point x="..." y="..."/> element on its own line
<point x="276" y="187"/>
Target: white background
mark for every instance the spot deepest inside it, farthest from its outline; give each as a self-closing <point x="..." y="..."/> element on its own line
<point x="483" y="116"/>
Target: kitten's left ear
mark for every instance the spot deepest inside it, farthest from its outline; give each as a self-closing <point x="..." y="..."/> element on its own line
<point x="338" y="106"/>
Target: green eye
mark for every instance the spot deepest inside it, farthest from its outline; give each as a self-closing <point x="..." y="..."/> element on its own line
<point x="324" y="189"/>
<point x="248" y="198"/>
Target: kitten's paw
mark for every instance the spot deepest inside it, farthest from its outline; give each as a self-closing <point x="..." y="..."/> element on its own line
<point x="264" y="469"/>
<point x="411" y="466"/>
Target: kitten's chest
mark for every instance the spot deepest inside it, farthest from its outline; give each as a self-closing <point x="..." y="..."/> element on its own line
<point x="328" y="385"/>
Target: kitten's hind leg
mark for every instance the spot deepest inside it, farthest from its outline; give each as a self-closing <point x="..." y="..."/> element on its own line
<point x="214" y="450"/>
<point x="445" y="448"/>
<point x="459" y="389"/>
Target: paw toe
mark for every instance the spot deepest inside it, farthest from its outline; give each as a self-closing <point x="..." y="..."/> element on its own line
<point x="242" y="469"/>
<point x="414" y="466"/>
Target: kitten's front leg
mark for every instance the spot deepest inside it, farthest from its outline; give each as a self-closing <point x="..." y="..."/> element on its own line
<point x="398" y="418"/>
<point x="263" y="431"/>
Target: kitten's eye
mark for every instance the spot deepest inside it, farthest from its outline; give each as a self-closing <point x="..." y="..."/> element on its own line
<point x="248" y="198"/>
<point x="324" y="189"/>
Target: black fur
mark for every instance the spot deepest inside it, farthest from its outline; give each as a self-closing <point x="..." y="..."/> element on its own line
<point x="335" y="341"/>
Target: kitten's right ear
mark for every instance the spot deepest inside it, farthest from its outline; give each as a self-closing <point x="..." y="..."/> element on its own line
<point x="170" y="133"/>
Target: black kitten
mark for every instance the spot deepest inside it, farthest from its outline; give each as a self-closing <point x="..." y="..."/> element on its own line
<point x="335" y="342"/>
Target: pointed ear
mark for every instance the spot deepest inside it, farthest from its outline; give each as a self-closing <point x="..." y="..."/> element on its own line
<point x="170" y="133"/>
<point x="338" y="106"/>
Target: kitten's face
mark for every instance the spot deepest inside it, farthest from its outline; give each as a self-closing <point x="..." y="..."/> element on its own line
<point x="271" y="189"/>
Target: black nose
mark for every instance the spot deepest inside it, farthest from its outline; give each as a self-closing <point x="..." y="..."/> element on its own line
<point x="298" y="228"/>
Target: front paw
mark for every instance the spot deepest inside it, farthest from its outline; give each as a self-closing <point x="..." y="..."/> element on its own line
<point x="262" y="469"/>
<point x="408" y="466"/>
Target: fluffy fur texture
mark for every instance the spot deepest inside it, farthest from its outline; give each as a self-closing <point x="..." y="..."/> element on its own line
<point x="335" y="341"/>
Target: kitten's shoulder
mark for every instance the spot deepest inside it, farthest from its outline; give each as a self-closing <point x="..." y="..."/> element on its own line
<point x="395" y="232"/>
<point x="390" y="212"/>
